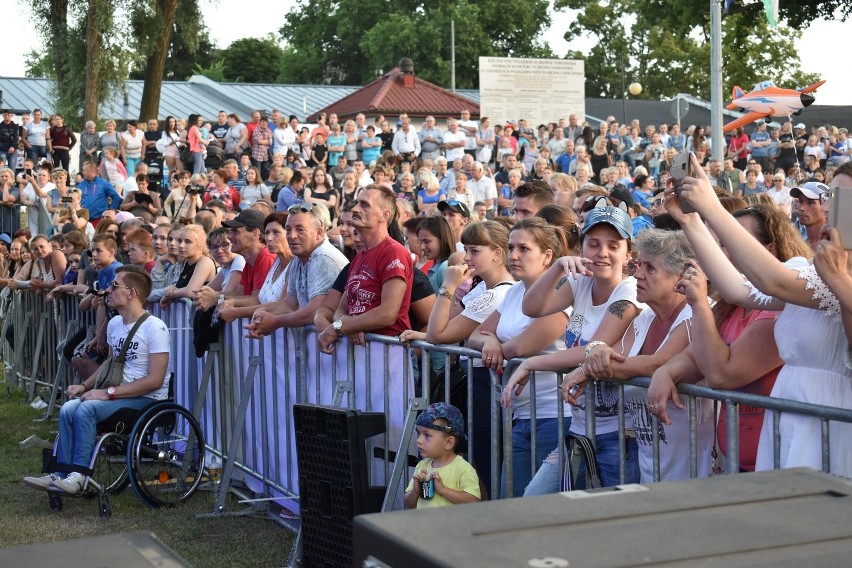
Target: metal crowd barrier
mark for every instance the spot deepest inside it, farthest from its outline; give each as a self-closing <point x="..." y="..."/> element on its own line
<point x="243" y="391"/>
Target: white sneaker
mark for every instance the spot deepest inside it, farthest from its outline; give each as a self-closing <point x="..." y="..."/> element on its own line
<point x="73" y="484"/>
<point x="45" y="482"/>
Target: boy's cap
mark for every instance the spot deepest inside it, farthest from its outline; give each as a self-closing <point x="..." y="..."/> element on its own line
<point x="446" y="411"/>
<point x="5" y="238"/>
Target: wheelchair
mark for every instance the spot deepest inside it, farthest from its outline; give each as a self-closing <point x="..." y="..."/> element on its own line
<point x="158" y="450"/>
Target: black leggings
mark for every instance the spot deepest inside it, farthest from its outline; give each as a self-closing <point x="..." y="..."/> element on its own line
<point x="61" y="159"/>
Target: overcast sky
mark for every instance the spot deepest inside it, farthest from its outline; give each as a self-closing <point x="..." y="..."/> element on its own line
<point x="229" y="20"/>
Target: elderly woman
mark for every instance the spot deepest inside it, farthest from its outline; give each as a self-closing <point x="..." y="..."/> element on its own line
<point x="657" y="334"/>
<point x="431" y="194"/>
<point x="89" y="143"/>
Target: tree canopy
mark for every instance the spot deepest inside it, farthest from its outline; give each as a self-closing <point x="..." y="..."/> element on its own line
<point x="667" y="48"/>
<point x="351" y="41"/>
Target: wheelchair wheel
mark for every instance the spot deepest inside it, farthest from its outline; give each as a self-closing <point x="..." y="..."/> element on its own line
<point x="165" y="455"/>
<point x="110" y="467"/>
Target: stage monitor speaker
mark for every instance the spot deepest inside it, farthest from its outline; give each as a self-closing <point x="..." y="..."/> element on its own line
<point x="794" y="517"/>
<point x="333" y="478"/>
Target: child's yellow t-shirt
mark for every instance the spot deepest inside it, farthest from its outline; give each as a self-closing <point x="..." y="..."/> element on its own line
<point x="457" y="475"/>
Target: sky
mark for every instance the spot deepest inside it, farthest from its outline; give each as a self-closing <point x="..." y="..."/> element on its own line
<point x="229" y="20"/>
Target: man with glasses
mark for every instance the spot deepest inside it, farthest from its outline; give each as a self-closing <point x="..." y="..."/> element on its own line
<point x="246" y="236"/>
<point x="812" y="197"/>
<point x="315" y="266"/>
<point x="144" y="380"/>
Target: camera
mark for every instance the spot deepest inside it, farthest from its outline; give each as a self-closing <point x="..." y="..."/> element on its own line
<point x="195" y="189"/>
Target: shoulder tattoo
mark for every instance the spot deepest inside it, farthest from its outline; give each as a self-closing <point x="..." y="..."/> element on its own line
<point x="618" y="308"/>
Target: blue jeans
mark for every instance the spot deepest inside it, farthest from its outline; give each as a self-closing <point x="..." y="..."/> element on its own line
<point x="548" y="479"/>
<point x="78" y="421"/>
<point x="546" y="437"/>
<point x="198" y="166"/>
<point x="36" y="152"/>
<point x="131" y="166"/>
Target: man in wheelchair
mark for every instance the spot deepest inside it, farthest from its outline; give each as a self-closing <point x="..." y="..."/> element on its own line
<point x="144" y="380"/>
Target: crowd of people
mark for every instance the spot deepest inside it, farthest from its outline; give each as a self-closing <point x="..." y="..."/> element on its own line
<point x="564" y="245"/>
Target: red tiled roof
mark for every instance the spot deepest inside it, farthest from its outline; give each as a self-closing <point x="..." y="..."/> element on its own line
<point x="387" y="95"/>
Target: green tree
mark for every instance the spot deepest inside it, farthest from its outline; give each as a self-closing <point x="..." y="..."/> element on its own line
<point x="153" y="23"/>
<point x="348" y="41"/>
<point x="253" y="60"/>
<point x="667" y="48"/>
<point x="82" y="52"/>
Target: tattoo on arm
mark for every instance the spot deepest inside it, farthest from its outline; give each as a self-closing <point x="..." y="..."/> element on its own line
<point x="617" y="308"/>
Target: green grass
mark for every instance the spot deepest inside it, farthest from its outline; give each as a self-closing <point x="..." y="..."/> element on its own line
<point x="25" y="517"/>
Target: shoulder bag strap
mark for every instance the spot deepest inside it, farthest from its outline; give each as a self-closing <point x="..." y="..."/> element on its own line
<point x="123" y="354"/>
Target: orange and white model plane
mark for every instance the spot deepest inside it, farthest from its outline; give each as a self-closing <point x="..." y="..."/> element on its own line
<point x="766" y="101"/>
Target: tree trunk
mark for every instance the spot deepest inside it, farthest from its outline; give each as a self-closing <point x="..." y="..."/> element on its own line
<point x="93" y="63"/>
<point x="157" y="61"/>
<point x="59" y="34"/>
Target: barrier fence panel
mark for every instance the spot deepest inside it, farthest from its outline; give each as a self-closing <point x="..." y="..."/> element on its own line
<point x="243" y="391"/>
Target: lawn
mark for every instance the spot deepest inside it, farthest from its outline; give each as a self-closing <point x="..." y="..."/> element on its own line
<point x="25" y="517"/>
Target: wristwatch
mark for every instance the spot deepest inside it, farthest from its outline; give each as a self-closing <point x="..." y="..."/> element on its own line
<point x="442" y="291"/>
<point x="337" y="325"/>
<point x="111" y="393"/>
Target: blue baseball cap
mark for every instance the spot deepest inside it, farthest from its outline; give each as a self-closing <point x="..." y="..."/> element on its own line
<point x="446" y="411"/>
<point x="5" y="238"/>
<point x="613" y="216"/>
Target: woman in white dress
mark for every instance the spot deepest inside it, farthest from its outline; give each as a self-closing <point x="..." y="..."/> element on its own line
<point x="809" y="331"/>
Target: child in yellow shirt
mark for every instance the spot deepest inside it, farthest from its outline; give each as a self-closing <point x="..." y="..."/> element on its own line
<point x="443" y="477"/>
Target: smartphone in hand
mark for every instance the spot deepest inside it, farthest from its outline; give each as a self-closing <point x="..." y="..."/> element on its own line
<point x="840" y="214"/>
<point x="681" y="168"/>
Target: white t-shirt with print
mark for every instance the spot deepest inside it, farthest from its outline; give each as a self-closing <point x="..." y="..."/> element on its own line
<point x="584" y="323"/>
<point x="512" y="323"/>
<point x="151" y="337"/>
<point x="481" y="302"/>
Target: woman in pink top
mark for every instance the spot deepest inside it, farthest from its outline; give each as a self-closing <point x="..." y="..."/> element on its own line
<point x="196" y="146"/>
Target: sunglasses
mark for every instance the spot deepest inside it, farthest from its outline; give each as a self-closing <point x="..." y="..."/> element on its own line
<point x="657" y="203"/>
<point x="305" y="207"/>
<point x="633" y="265"/>
<point x="115" y="284"/>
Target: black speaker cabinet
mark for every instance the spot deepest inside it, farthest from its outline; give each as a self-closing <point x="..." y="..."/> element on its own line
<point x="795" y="517"/>
<point x="333" y="478"/>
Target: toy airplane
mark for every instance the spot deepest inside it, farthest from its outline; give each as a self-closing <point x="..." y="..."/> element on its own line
<point x="767" y="100"/>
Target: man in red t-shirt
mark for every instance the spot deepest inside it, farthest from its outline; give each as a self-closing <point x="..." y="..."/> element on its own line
<point x="377" y="293"/>
<point x="246" y="238"/>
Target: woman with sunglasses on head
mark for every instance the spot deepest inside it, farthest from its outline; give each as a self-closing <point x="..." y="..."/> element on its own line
<point x="732" y="347"/>
<point x="809" y="331"/>
<point x="603" y="303"/>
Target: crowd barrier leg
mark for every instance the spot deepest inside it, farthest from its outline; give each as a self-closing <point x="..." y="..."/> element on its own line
<point x="239" y="429"/>
<point x="400" y="465"/>
<point x="732" y="435"/>
<point x="37" y="361"/>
